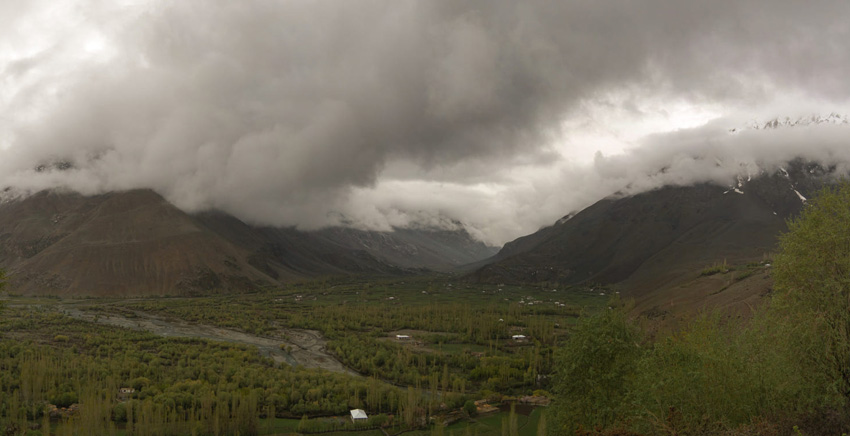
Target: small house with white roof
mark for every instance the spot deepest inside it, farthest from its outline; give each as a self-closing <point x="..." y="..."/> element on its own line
<point x="358" y="415"/>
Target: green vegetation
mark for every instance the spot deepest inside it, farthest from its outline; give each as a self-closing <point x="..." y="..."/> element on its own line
<point x="739" y="272"/>
<point x="80" y="377"/>
<point x="716" y="375"/>
<point x="597" y="362"/>
<point x="469" y="408"/>
<point x="716" y="268"/>
<point x="2" y="285"/>
<point x="324" y="425"/>
<point x="812" y="306"/>
<point x="462" y="342"/>
<point x="786" y="370"/>
<point x="179" y="385"/>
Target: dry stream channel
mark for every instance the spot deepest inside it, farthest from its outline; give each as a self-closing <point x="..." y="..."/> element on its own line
<point x="307" y="347"/>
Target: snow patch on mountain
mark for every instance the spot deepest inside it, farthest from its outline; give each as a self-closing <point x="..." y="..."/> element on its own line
<point x="802" y="198"/>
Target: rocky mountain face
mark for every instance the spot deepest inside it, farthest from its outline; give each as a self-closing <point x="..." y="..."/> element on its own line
<point x="661" y="237"/>
<point x="136" y="243"/>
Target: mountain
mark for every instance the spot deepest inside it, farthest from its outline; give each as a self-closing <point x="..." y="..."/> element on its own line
<point x="113" y="244"/>
<point x="136" y="243"/>
<point x="778" y="123"/>
<point x="660" y="238"/>
<point x="430" y="248"/>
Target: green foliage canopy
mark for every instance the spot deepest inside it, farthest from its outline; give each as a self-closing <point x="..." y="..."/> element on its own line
<point x="813" y="265"/>
<point x="597" y="364"/>
<point x="812" y="280"/>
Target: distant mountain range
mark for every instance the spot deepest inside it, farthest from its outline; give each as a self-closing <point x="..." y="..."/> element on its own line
<point x="136" y="243"/>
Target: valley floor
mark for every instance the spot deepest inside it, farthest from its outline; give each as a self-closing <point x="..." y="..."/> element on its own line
<point x="226" y="363"/>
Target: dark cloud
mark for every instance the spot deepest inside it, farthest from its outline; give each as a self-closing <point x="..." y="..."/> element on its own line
<point x="287" y="112"/>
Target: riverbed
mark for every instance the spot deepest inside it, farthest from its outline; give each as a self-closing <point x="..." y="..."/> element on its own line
<point x="307" y="348"/>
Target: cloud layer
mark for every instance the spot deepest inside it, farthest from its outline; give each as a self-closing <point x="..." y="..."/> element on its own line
<point x="392" y="113"/>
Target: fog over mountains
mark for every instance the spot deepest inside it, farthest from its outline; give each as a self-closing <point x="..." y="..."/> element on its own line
<point x="657" y="230"/>
<point x="385" y="114"/>
<point x="158" y="147"/>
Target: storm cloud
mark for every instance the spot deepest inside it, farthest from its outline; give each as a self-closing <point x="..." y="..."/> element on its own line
<point x="395" y="113"/>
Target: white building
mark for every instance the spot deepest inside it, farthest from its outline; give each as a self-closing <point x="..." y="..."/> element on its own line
<point x="358" y="415"/>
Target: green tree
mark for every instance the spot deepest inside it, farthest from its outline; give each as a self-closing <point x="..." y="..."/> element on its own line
<point x="596" y="366"/>
<point x="469" y="408"/>
<point x="812" y="281"/>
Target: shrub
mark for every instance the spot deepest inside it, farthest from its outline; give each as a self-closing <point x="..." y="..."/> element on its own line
<point x="469" y="408"/>
<point x="715" y="269"/>
<point x="64" y="399"/>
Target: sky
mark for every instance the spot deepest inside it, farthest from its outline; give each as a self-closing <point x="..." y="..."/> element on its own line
<point x="496" y="116"/>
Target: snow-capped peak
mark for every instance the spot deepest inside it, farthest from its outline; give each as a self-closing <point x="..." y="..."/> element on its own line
<point x="811" y="120"/>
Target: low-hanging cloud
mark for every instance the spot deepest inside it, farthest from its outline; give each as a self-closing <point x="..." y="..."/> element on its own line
<point x="315" y="113"/>
<point x="500" y="213"/>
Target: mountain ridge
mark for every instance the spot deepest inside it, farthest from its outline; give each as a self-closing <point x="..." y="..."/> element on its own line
<point x="137" y="243"/>
<point x="660" y="237"/>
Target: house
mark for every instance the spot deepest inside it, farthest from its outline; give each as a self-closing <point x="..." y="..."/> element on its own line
<point x="358" y="415"/>
<point x="124" y="394"/>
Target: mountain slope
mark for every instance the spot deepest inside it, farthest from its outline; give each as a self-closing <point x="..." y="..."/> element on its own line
<point x="136" y="243"/>
<point x="115" y="244"/>
<point x="430" y="248"/>
<point x="279" y="252"/>
<point x="660" y="237"/>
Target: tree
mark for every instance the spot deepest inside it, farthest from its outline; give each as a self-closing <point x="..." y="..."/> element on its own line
<point x="469" y="408"/>
<point x="595" y="368"/>
<point x="812" y="281"/>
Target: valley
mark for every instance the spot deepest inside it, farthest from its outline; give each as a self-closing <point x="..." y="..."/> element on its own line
<point x="424" y="218"/>
<point x="126" y="315"/>
<point x="458" y="348"/>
